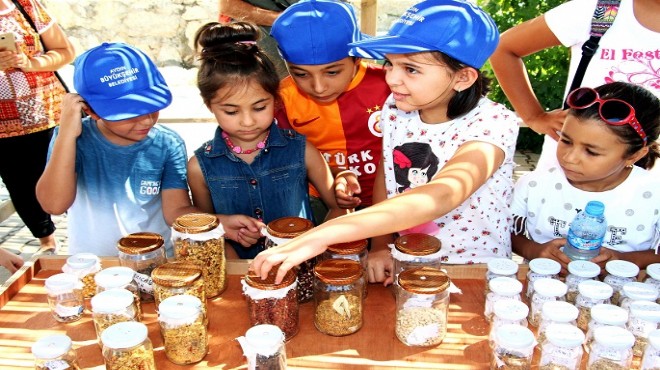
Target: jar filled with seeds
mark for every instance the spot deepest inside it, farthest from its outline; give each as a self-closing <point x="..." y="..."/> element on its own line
<point x="555" y="312"/>
<point x="270" y="303"/>
<point x="416" y="250"/>
<point x="501" y="288"/>
<point x="540" y="268"/>
<point x="263" y="346"/>
<point x="356" y="251"/>
<point x="84" y="266"/>
<point x="119" y="277"/>
<point x="178" y="277"/>
<point x="199" y="238"/>
<point x="65" y="297"/>
<point x="54" y="352"/>
<point x="183" y="328"/>
<point x="545" y="290"/>
<point x="562" y="348"/>
<point x="653" y="277"/>
<point x="507" y="311"/>
<point x="338" y="297"/>
<point x="619" y="272"/>
<point x="651" y="357"/>
<point x="637" y="291"/>
<point x="142" y="252"/>
<point x="604" y="314"/>
<point x="611" y="349"/>
<point x="591" y="293"/>
<point x="579" y="271"/>
<point x="126" y="346"/>
<point x="422" y="306"/>
<point x="500" y="267"/>
<point x="112" y="306"/>
<point x="644" y="317"/>
<point x="282" y="230"/>
<point x="513" y="348"/>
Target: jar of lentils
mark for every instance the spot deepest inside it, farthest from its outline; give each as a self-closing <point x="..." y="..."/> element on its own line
<point x="604" y="314"/>
<point x="513" y="348"/>
<point x="545" y="290"/>
<point x="611" y="349"/>
<point x="501" y="288"/>
<point x="179" y="277"/>
<point x="591" y="293"/>
<point x="84" y="266"/>
<point x="142" y="252"/>
<point x="65" y="297"/>
<point x="500" y="267"/>
<point x="644" y="318"/>
<point x="651" y="357"/>
<point x="112" y="306"/>
<point x="54" y="352"/>
<point x="338" y="297"/>
<point x="183" y="328"/>
<point x="126" y="346"/>
<point x="416" y="250"/>
<point x="555" y="312"/>
<point x="562" y="347"/>
<point x="637" y="291"/>
<point x="356" y="251"/>
<point x="507" y="311"/>
<point x="422" y="306"/>
<point x="653" y="276"/>
<point x="122" y="278"/>
<point x="540" y="268"/>
<point x="579" y="271"/>
<point x="619" y="272"/>
<point x="199" y="238"/>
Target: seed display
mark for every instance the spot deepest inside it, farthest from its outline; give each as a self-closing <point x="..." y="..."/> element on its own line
<point x="346" y="320"/>
<point x="306" y="280"/>
<point x="280" y="312"/>
<point x="584" y="317"/>
<point x="423" y="326"/>
<point x="89" y="285"/>
<point x="139" y="358"/>
<point x="196" y="289"/>
<point x="210" y="255"/>
<point x="605" y="364"/>
<point x="186" y="344"/>
<point x="510" y="361"/>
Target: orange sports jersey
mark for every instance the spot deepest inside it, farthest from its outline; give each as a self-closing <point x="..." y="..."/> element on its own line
<point x="347" y="132"/>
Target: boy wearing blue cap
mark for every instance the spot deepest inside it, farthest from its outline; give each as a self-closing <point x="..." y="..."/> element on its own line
<point x="332" y="98"/>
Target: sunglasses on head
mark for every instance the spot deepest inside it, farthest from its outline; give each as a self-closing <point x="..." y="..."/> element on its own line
<point x="614" y="112"/>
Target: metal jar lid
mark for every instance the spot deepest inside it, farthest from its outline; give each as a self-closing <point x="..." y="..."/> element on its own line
<point x="288" y="227"/>
<point x="140" y="243"/>
<point x="338" y="271"/>
<point x="354" y="247"/>
<point x="424" y="280"/>
<point x="417" y="244"/>
<point x="176" y="274"/>
<point x="253" y="280"/>
<point x="195" y="223"/>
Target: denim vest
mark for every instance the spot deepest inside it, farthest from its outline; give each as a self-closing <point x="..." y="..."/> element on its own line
<point x="274" y="185"/>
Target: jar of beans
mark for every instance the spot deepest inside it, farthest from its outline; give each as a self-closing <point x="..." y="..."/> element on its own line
<point x="500" y="267"/>
<point x="422" y="305"/>
<point x="126" y="346"/>
<point x="84" y="266"/>
<point x="540" y="268"/>
<point x="562" y="347"/>
<point x="356" y="251"/>
<point x="611" y="349"/>
<point x="591" y="293"/>
<point x="282" y="230"/>
<point x="416" y="250"/>
<point x="338" y="297"/>
<point x="54" y="352"/>
<point x="183" y="328"/>
<point x="513" y="348"/>
<point x="545" y="290"/>
<point x="501" y="288"/>
<point x="112" y="306"/>
<point x="619" y="272"/>
<point x="199" y="238"/>
<point x="122" y="278"/>
<point x="65" y="297"/>
<point x="270" y="303"/>
<point x="142" y="252"/>
<point x="604" y="314"/>
<point x="579" y="271"/>
<point x="644" y="318"/>
<point x="178" y="277"/>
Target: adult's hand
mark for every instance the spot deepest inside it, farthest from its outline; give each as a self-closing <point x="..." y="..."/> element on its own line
<point x="10" y="261"/>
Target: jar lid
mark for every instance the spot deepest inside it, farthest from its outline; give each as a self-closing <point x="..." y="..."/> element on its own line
<point x="510" y="309"/>
<point x="124" y="335"/>
<point x="504" y="285"/>
<point x="114" y="277"/>
<point x="614" y="336"/>
<point x="288" y="227"/>
<point x="595" y="289"/>
<point x="585" y="269"/>
<point x="51" y="346"/>
<point x="195" y="223"/>
<point x="622" y="268"/>
<point x="62" y="283"/>
<point x="180" y="306"/>
<point x="265" y="338"/>
<point x="424" y="280"/>
<point x="338" y="271"/>
<point x="559" y="311"/>
<point x="82" y="260"/>
<point x="514" y="336"/>
<point x="654" y="338"/>
<point x="176" y="274"/>
<point x="550" y="287"/>
<point x="564" y="335"/>
<point x="638" y="291"/>
<point x="502" y="266"/>
<point x="653" y="270"/>
<point x="544" y="266"/>
<point x="645" y="310"/>
<point x="140" y="243"/>
<point x="609" y="314"/>
<point x="252" y="279"/>
<point x="354" y="247"/>
<point x="417" y="244"/>
<point x="111" y="300"/>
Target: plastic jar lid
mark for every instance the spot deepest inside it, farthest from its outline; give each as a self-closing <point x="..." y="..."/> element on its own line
<point x="81" y="261"/>
<point x="124" y="335"/>
<point x="503" y="285"/>
<point x="502" y="266"/>
<point x="355" y="247"/>
<point x="114" y="277"/>
<point x="640" y="291"/>
<point x="418" y="244"/>
<point x="338" y="271"/>
<point x="654" y="338"/>
<point x="645" y="310"/>
<point x="544" y="266"/>
<point x="265" y="338"/>
<point x="140" y="243"/>
<point x="288" y="227"/>
<point x="564" y="335"/>
<point x="180" y="309"/>
<point x="424" y="280"/>
<point x="609" y="314"/>
<point x="513" y="336"/>
<point x="585" y="269"/>
<point x="510" y="309"/>
<point x="614" y="337"/>
<point x="550" y="287"/>
<point x="559" y="311"/>
<point x="111" y="300"/>
<point x="62" y="283"/>
<point x="622" y="268"/>
<point x="653" y="270"/>
<point x="51" y="346"/>
<point x="594" y="289"/>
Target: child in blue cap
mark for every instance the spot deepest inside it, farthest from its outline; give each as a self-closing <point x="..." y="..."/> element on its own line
<point x="464" y="184"/>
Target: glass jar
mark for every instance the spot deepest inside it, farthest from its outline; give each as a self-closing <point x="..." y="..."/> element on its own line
<point x="651" y="357"/>
<point x="119" y="277"/>
<point x="270" y="303"/>
<point x="545" y="290"/>
<point x="338" y="297"/>
<point x="282" y="230"/>
<point x="84" y="266"/>
<point x="183" y="328"/>
<point x="555" y="312"/>
<point x="501" y="288"/>
<point x="500" y="267"/>
<point x="54" y="352"/>
<point x="540" y="268"/>
<point x="579" y="271"/>
<point x="65" y="297"/>
<point x="142" y="252"/>
<point x="611" y="349"/>
<point x="178" y="277"/>
<point x="513" y="348"/>
<point x="653" y="277"/>
<point x="416" y="250"/>
<point x="619" y="272"/>
<point x="422" y="306"/>
<point x="637" y="291"/>
<point x="199" y="238"/>
<point x="112" y="306"/>
<point x="507" y="311"/>
<point x="562" y="348"/>
<point x="591" y="293"/>
<point x="356" y="251"/>
<point x="126" y="346"/>
<point x="263" y="346"/>
<point x="644" y="317"/>
<point x="604" y="314"/>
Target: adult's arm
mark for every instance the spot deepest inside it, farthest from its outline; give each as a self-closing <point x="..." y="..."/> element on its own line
<point x="243" y="11"/>
<point x="60" y="52"/>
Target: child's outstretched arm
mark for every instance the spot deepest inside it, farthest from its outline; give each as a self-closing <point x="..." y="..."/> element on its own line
<point x="380" y="263"/>
<point x="319" y="174"/>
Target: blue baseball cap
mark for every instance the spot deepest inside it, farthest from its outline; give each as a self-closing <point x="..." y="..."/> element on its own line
<point x="120" y="82"/>
<point x="313" y="32"/>
<point x="456" y="28"/>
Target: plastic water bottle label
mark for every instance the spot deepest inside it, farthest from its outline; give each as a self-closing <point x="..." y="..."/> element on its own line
<point x="582" y="243"/>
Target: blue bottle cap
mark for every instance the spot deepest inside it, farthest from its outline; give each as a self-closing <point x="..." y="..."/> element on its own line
<point x="595" y="208"/>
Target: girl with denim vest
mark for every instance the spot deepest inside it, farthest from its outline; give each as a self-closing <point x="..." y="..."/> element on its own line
<point x="251" y="167"/>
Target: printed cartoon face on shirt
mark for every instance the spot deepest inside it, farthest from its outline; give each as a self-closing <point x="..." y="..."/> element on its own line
<point x="414" y="165"/>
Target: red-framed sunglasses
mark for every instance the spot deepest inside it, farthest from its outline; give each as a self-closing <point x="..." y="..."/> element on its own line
<point x="614" y="112"/>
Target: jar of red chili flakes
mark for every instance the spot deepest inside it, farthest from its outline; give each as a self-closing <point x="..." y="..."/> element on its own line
<point x="270" y="303"/>
<point x="142" y="252"/>
<point x="356" y="251"/>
